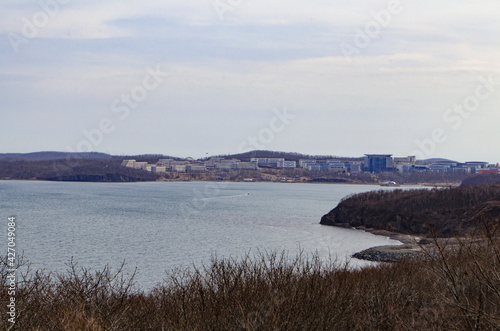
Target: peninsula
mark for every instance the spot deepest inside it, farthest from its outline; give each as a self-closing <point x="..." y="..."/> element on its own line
<point x="419" y="216"/>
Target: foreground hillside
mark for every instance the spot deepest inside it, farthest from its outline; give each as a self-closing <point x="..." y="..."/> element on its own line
<point x="454" y="290"/>
<point x="442" y="212"/>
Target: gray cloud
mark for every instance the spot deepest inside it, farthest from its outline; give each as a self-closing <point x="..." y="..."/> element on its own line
<point x="226" y="77"/>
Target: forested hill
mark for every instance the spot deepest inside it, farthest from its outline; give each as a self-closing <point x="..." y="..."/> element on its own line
<point x="48" y="156"/>
<point x="66" y="166"/>
<point x="51" y="156"/>
<point x="441" y="212"/>
<point x="289" y="156"/>
<point x="89" y="170"/>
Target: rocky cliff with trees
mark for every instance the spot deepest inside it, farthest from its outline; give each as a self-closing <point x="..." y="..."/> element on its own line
<point x="441" y="212"/>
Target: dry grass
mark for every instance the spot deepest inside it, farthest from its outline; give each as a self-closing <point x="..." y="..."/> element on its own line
<point x="457" y="289"/>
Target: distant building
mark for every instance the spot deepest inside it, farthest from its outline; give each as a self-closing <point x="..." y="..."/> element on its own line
<point x="323" y="163"/>
<point x="225" y="165"/>
<point x="355" y="167"/>
<point x="138" y="165"/>
<point x="337" y="167"/>
<point x="267" y="161"/>
<point x="247" y="166"/>
<point x="274" y="161"/>
<point x="403" y="168"/>
<point x="373" y="163"/>
<point x="179" y="168"/>
<point x="196" y="168"/>
<point x="258" y="160"/>
<point x="419" y="168"/>
<point x="158" y="169"/>
<point x="164" y="162"/>
<point x="128" y="163"/>
<point x="488" y="171"/>
<point x="141" y="165"/>
<point x="287" y="164"/>
<point x="314" y="167"/>
<point x="476" y="166"/>
<point x="304" y="163"/>
<point x="439" y="167"/>
<point x="377" y="163"/>
<point x="404" y="164"/>
<point x="406" y="160"/>
<point x="174" y="163"/>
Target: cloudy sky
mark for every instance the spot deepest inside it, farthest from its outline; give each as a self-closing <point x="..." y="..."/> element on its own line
<point x="187" y="78"/>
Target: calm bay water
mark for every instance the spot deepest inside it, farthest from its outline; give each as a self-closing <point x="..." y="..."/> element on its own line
<point x="156" y="227"/>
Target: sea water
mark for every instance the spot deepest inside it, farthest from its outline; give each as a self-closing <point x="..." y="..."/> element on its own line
<point x="156" y="227"/>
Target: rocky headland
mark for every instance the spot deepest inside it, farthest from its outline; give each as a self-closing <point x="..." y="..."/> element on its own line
<point x="417" y="217"/>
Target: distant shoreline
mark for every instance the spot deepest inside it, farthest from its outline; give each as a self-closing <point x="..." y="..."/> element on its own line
<point x="423" y="185"/>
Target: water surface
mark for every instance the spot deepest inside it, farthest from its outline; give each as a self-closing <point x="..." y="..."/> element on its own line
<point x="160" y="226"/>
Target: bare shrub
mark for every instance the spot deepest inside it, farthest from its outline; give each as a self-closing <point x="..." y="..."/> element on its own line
<point x="456" y="288"/>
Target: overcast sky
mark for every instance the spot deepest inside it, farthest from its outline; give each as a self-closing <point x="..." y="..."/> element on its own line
<point x="186" y="78"/>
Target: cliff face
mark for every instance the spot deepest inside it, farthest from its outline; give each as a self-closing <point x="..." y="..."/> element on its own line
<point x="441" y="212"/>
<point x="446" y="224"/>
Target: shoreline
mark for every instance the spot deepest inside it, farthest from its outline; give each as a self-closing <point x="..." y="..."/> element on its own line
<point x="423" y="185"/>
<point x="410" y="247"/>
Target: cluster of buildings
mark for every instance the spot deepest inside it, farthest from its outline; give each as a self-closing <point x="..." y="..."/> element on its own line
<point x="332" y="165"/>
<point x="370" y="163"/>
<point x="279" y="163"/>
<point x="456" y="167"/>
<point x="376" y="163"/>
<point x="190" y="165"/>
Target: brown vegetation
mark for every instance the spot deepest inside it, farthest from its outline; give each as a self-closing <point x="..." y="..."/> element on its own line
<point x="93" y="170"/>
<point x="456" y="289"/>
<point x="481" y="179"/>
<point x="444" y="212"/>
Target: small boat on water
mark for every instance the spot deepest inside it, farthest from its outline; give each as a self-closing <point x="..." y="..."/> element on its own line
<point x="390" y="183"/>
